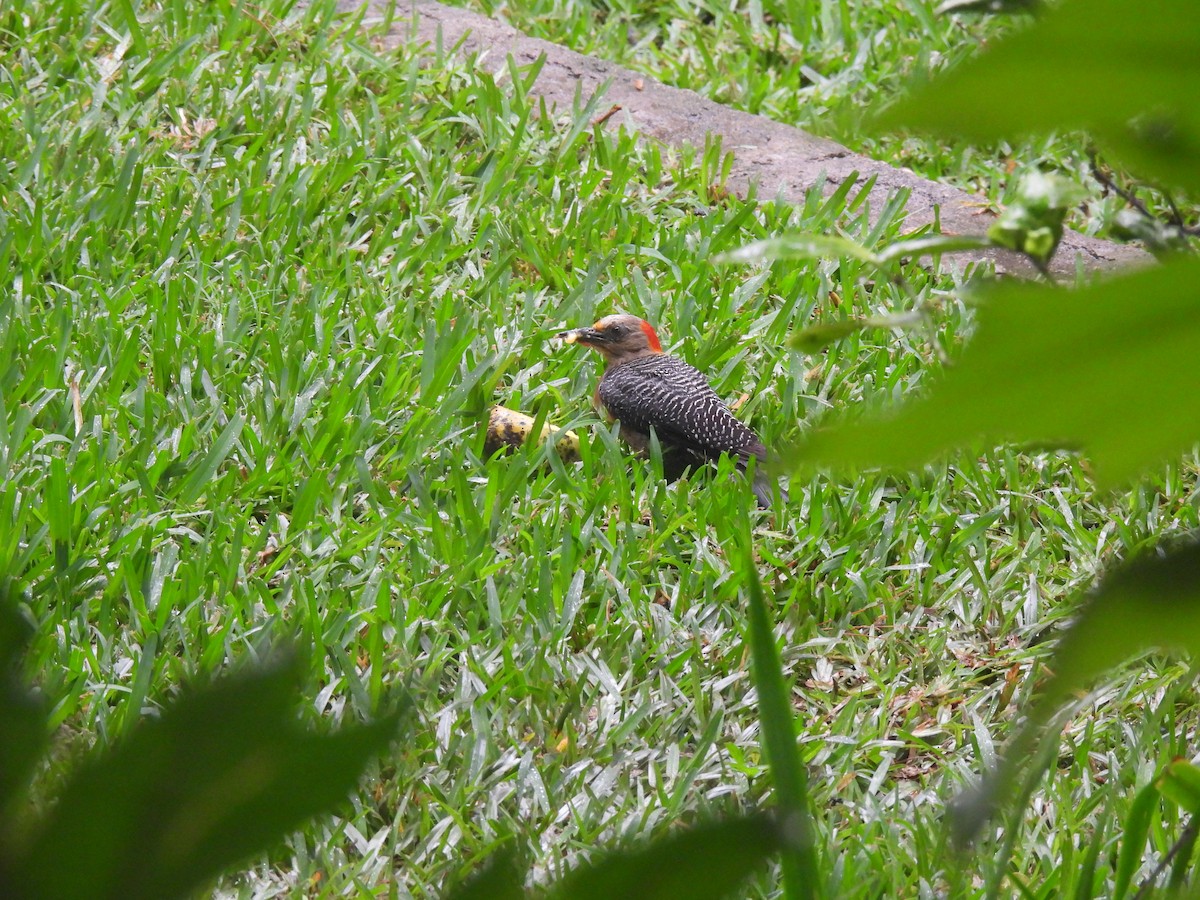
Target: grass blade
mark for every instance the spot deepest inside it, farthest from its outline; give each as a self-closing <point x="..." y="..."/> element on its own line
<point x="800" y="867"/>
<point x="199" y="479"/>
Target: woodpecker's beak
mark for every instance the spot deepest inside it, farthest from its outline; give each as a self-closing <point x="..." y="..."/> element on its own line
<point x="581" y="336"/>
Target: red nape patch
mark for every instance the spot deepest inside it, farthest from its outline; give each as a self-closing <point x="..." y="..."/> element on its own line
<point x="651" y="337"/>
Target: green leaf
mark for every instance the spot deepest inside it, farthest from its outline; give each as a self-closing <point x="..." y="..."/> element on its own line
<point x="818" y="337"/>
<point x="1160" y="238"/>
<point x="1033" y="223"/>
<point x="1110" y="367"/>
<point x="706" y="862"/>
<point x="500" y="878"/>
<point x="929" y="244"/>
<point x="1181" y="867"/>
<point x="22" y="716"/>
<point x="128" y="17"/>
<point x="224" y="774"/>
<point x="1085" y="871"/>
<point x="59" y="512"/>
<point x="1180" y="783"/>
<point x="987" y="6"/>
<point x="1086" y="64"/>
<point x="797" y="246"/>
<point x="1044" y="193"/>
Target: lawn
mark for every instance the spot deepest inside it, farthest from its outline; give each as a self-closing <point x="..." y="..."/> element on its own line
<point x="259" y="285"/>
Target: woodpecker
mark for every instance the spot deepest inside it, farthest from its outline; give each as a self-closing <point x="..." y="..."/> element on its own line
<point x="644" y="388"/>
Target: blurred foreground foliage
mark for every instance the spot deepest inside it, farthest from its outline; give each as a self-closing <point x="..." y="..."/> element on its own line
<point x="227" y="770"/>
<point x="1107" y="368"/>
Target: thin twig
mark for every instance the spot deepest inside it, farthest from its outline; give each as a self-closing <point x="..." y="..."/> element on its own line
<point x="1177" y="219"/>
<point x="604" y="117"/>
<point x="1188" y="835"/>
<point x="1109" y="184"/>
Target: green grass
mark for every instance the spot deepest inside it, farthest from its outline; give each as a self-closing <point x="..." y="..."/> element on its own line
<point x="258" y="286"/>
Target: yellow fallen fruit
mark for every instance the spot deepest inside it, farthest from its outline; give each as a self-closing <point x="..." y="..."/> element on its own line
<point x="508" y="429"/>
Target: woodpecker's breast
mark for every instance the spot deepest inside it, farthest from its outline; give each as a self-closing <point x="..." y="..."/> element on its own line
<point x="598" y="401"/>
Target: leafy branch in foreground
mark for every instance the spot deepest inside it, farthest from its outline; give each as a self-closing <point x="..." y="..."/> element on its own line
<point x="1031" y="225"/>
<point x="225" y="773"/>
<point x="1162" y="236"/>
<point x="1125" y="74"/>
<point x="1108" y="368"/>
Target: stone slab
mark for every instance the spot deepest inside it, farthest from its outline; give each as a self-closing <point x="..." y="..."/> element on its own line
<point x="780" y="160"/>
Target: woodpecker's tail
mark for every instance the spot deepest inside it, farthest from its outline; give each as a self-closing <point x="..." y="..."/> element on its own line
<point x="763" y="488"/>
<point x="764" y="484"/>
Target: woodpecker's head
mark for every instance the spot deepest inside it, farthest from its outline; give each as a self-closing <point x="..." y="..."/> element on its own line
<point x="618" y="338"/>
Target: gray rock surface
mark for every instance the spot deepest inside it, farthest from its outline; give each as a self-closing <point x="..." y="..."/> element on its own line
<point x="781" y="160"/>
